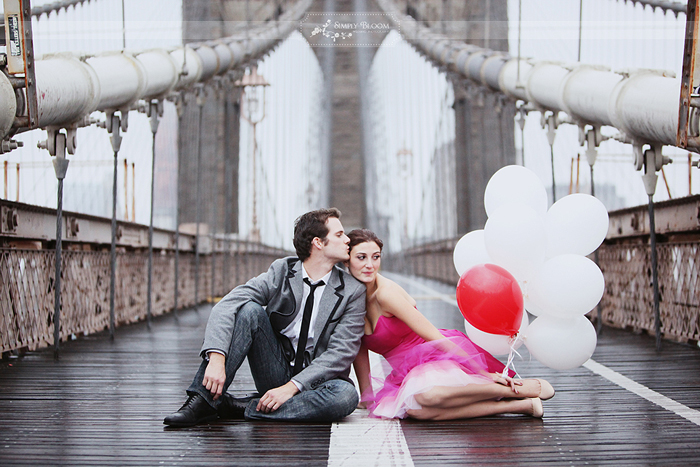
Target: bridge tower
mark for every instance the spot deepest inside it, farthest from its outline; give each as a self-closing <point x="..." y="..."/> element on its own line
<point x="484" y="121"/>
<point x="484" y="126"/>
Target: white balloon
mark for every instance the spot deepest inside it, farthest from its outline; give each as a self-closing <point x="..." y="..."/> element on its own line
<point x="561" y="344"/>
<point x="531" y="306"/>
<point x="566" y="286"/>
<point x="514" y="183"/>
<point x="470" y="251"/>
<point x="577" y="224"/>
<point x="528" y="304"/>
<point x="515" y="240"/>
<point x="495" y="344"/>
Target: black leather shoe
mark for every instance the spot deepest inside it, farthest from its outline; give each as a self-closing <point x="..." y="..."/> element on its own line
<point x="194" y="411"/>
<point x="233" y="408"/>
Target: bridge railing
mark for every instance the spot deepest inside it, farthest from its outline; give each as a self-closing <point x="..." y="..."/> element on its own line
<point x="27" y="283"/>
<point x="625" y="259"/>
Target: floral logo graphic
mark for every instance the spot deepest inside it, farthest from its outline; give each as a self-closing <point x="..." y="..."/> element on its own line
<point x="330" y="34"/>
<point x="359" y="29"/>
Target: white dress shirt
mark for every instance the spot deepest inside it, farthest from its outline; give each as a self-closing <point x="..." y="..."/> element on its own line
<point x="294" y="329"/>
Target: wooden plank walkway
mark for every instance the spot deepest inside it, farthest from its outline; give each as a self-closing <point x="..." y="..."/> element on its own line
<point x="104" y="401"/>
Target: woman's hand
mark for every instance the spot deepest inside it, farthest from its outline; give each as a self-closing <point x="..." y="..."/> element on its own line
<point x="506" y="381"/>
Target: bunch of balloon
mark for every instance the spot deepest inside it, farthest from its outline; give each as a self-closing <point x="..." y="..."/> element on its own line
<point x="544" y="252"/>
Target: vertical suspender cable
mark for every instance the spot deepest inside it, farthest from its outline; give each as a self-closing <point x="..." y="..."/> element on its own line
<point x="554" y="186"/>
<point x="580" y="28"/>
<point x="520" y="23"/>
<point x="523" y="114"/>
<point x="114" y="127"/>
<point x="212" y="236"/>
<point x="654" y="272"/>
<point x="551" y="124"/>
<point x="123" y="27"/>
<point x="61" y="166"/>
<point x="599" y="308"/>
<point x="153" y="114"/>
<point x="126" y="190"/>
<point x="180" y="103"/>
<point x="133" y="192"/>
<point x="113" y="254"/>
<point x="57" y="280"/>
<point x="200" y="104"/>
<point x="649" y="177"/>
<point x="226" y="246"/>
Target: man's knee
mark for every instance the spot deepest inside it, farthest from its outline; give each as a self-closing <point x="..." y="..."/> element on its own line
<point x="345" y="397"/>
<point x="250" y="314"/>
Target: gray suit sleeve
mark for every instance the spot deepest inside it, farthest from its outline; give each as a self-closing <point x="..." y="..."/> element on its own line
<point x="259" y="289"/>
<point x="343" y="345"/>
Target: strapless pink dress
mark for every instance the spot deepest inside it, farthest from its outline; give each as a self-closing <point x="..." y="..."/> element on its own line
<point x="417" y="365"/>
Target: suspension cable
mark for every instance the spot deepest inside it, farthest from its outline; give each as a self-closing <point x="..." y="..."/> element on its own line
<point x="665" y="5"/>
<point x="52" y="7"/>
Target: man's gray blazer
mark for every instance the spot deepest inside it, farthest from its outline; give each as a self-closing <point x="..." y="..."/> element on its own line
<point x="338" y="329"/>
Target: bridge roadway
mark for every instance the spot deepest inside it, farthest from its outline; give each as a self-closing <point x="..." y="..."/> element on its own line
<point x="103" y="403"/>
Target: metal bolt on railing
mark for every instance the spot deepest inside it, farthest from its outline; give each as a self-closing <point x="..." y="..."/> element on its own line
<point x="9" y="145"/>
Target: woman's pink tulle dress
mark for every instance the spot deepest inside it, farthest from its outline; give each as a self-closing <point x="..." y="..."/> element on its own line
<point x="417" y="365"/>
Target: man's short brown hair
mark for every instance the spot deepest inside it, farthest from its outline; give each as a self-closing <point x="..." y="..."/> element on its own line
<point x="309" y="226"/>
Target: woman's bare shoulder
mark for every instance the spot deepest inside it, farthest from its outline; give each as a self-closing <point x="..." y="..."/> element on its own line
<point x="389" y="292"/>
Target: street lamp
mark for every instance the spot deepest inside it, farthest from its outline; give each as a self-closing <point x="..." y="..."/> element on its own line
<point x="253" y="112"/>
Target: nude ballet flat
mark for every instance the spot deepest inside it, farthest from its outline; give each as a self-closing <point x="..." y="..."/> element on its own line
<point x="537" y="409"/>
<point x="546" y="390"/>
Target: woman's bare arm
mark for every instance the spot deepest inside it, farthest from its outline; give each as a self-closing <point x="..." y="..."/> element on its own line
<point x="362" y="371"/>
<point x="392" y="299"/>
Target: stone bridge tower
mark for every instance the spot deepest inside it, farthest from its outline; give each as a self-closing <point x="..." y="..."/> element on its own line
<point x="482" y="118"/>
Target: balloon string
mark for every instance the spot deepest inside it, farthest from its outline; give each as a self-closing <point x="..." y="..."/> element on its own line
<point x="511" y="357"/>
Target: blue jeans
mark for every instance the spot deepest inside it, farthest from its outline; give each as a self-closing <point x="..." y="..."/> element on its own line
<point x="253" y="337"/>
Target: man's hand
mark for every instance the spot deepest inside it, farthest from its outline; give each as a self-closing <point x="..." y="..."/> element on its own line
<point x="274" y="398"/>
<point x="215" y="374"/>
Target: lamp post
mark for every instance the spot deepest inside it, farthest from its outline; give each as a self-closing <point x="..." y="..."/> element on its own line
<point x="253" y="112"/>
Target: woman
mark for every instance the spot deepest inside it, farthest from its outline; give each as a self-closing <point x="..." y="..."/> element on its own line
<point x="435" y="374"/>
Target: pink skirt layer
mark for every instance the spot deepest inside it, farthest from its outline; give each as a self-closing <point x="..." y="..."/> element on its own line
<point x="453" y="361"/>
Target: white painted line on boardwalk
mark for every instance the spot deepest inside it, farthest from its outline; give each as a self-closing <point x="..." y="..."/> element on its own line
<point x="361" y="440"/>
<point x="611" y="375"/>
<point x="643" y="391"/>
<point x="365" y="441"/>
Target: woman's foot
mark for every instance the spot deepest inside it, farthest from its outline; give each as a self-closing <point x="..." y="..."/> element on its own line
<point x="546" y="390"/>
<point x="536" y="388"/>
<point x="537" y="409"/>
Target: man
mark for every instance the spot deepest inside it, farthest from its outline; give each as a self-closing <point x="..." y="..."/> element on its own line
<point x="299" y="346"/>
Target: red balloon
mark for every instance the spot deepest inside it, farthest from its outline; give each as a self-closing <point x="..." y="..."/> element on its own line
<point x="490" y="298"/>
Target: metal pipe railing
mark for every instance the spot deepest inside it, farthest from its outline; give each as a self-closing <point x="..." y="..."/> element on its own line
<point x="642" y="104"/>
<point x="70" y="87"/>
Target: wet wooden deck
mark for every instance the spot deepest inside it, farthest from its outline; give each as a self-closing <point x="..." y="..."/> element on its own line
<point x="104" y="401"/>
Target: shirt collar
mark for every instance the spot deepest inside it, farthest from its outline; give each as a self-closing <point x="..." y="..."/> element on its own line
<point x="325" y="278"/>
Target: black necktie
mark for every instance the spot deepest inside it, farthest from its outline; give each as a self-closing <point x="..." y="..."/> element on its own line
<point x="305" y="321"/>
